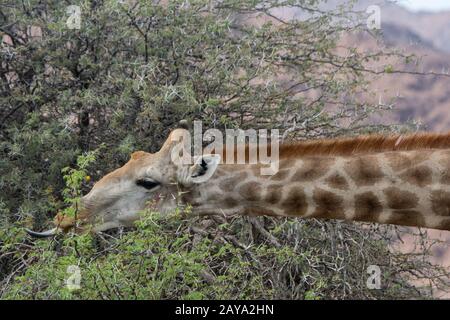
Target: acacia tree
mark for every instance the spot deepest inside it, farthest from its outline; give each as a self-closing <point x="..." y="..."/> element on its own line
<point x="133" y="69"/>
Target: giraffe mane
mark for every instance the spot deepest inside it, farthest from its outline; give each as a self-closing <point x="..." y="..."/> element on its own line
<point x="365" y="144"/>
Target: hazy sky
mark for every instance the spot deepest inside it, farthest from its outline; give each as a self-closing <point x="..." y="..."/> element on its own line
<point x="428" y="5"/>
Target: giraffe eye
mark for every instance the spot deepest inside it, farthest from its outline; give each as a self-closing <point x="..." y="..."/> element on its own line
<point x="147" y="183"/>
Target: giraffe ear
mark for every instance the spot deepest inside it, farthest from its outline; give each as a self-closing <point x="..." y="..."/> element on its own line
<point x="204" y="167"/>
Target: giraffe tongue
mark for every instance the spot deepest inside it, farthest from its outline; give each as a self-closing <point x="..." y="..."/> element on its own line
<point x="45" y="234"/>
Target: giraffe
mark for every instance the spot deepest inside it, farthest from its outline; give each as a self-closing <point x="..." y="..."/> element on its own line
<point x="400" y="180"/>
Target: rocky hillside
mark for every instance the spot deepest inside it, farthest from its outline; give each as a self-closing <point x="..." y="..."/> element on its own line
<point x="422" y="98"/>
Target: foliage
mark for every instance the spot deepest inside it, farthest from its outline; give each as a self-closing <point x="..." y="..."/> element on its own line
<point x="73" y="178"/>
<point x="176" y="256"/>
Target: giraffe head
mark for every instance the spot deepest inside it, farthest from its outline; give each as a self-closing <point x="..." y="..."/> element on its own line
<point x="146" y="179"/>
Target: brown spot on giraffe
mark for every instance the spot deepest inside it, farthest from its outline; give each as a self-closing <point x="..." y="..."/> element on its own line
<point x="274" y="193"/>
<point x="445" y="225"/>
<point x="328" y="204"/>
<point x="251" y="191"/>
<point x="400" y="199"/>
<point x="337" y="181"/>
<point x="364" y="171"/>
<point x="230" y="202"/>
<point x="313" y="168"/>
<point x="440" y="200"/>
<point x="295" y="202"/>
<point x="367" y="207"/>
<point x="213" y="197"/>
<point x="420" y="176"/>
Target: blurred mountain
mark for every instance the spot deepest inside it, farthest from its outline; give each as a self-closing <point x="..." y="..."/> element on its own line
<point x="433" y="27"/>
<point x="428" y="35"/>
<point x="422" y="98"/>
<point x="425" y="99"/>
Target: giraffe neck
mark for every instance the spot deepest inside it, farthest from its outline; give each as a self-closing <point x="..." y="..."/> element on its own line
<point x="410" y="188"/>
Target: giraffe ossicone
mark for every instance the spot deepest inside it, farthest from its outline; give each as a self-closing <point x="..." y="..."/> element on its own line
<point x="401" y="180"/>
